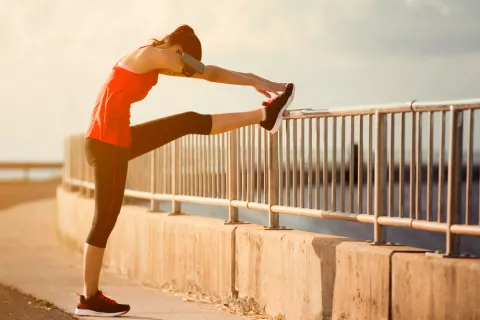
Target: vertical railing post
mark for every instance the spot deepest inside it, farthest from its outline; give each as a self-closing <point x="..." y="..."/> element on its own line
<point x="73" y="162"/>
<point x="153" y="180"/>
<point x="380" y="175"/>
<point x="459" y="181"/>
<point x="75" y="167"/>
<point x="71" y="172"/>
<point x="84" y="179"/>
<point x="70" y="163"/>
<point x="273" y="218"/>
<point x="91" y="179"/>
<point x="454" y="180"/>
<point x="64" y="167"/>
<point x="176" y="154"/>
<point x="66" y="164"/>
<point x="232" y="177"/>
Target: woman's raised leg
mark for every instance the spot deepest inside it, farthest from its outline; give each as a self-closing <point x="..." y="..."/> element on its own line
<point x="154" y="134"/>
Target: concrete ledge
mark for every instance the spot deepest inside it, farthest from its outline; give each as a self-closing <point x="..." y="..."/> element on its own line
<point x="294" y="274"/>
<point x="180" y="253"/>
<point x="362" y="281"/>
<point x="426" y="287"/>
<point x="289" y="273"/>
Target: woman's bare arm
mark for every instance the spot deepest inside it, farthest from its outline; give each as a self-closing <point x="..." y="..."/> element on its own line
<point x="252" y="75"/>
<point x="233" y="77"/>
<point x="171" y="63"/>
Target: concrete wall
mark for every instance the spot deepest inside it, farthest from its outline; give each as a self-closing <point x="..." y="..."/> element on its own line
<point x="181" y="253"/>
<point x="435" y="288"/>
<point x="287" y="272"/>
<point x="298" y="275"/>
<point x="363" y="280"/>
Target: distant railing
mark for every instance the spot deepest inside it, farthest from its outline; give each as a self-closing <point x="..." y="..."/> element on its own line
<point x="405" y="166"/>
<point x="25" y="168"/>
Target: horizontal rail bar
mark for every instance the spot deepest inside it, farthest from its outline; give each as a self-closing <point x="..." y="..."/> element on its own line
<point x="162" y="197"/>
<point x="139" y="194"/>
<point x="30" y="165"/>
<point x="415" y="224"/>
<point x="366" y="218"/>
<point x="412" y="223"/>
<point x="413" y="106"/>
<point x="465" y="230"/>
<point x="395" y="222"/>
<point x="239" y="204"/>
<point x="338" y="112"/>
<point x="258" y="206"/>
<point x="316" y="213"/>
<point x="430" y="226"/>
<point x="250" y="205"/>
<point x="201" y="200"/>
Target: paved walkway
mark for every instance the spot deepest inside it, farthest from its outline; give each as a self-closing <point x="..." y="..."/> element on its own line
<point x="15" y="305"/>
<point x="33" y="260"/>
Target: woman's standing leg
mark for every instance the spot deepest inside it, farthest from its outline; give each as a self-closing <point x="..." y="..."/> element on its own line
<point x="110" y="165"/>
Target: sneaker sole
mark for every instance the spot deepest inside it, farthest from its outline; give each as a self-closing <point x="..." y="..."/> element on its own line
<point x="82" y="312"/>
<point x="278" y="122"/>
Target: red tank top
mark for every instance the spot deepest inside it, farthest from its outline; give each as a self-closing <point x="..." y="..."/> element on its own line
<point x="110" y="118"/>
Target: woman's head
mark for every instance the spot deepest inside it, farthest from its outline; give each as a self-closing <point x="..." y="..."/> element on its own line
<point x="182" y="38"/>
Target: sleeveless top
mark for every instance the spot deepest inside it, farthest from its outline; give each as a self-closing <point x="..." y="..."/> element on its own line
<point x="110" y="118"/>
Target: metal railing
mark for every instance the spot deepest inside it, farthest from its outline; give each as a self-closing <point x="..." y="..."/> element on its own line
<point x="25" y="168"/>
<point x="399" y="165"/>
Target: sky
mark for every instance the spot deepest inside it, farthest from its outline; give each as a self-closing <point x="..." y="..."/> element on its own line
<point x="55" y="55"/>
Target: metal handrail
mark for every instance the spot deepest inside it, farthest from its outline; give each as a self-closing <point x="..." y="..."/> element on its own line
<point x="27" y="167"/>
<point x="30" y="165"/>
<point x="413" y="106"/>
<point x="301" y="171"/>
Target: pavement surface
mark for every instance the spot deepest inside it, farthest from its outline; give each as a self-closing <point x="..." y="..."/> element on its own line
<point x="15" y="305"/>
<point x="46" y="275"/>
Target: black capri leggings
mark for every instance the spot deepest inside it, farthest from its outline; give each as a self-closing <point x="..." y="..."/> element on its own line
<point x="110" y="164"/>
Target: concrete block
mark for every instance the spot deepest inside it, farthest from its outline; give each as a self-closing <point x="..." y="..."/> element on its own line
<point x="363" y="281"/>
<point x="426" y="287"/>
<point x="289" y="273"/>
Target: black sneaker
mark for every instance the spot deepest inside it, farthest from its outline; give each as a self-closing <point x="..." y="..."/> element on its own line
<point x="275" y="109"/>
<point x="100" y="306"/>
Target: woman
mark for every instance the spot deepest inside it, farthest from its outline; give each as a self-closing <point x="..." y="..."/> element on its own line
<point x="110" y="141"/>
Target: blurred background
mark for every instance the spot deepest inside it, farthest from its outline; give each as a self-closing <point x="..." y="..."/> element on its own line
<point x="56" y="54"/>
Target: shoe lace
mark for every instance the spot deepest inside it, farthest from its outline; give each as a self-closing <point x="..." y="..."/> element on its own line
<point x="271" y="101"/>
<point x="107" y="300"/>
